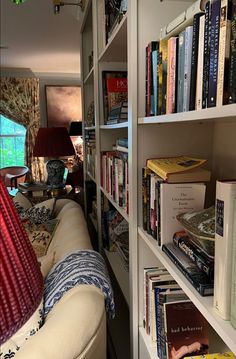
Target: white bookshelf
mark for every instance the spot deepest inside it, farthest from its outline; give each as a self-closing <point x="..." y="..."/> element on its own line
<point x="208" y="133"/>
<point x="120" y="272"/>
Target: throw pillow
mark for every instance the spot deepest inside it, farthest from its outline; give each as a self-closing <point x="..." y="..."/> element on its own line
<point x="21" y="202"/>
<point x="40" y="235"/>
<point x="13" y="345"/>
<point x="38" y="213"/>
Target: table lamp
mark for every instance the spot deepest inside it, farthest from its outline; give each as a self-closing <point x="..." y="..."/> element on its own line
<point x="20" y="277"/>
<point x="54" y="142"/>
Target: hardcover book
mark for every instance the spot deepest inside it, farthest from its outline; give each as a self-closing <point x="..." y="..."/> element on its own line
<point x="224" y="52"/>
<point x="171" y="75"/>
<point x="186" y="330"/>
<point x="206" y="54"/>
<point x="196" y="254"/>
<point x="199" y="85"/>
<point x="233" y="285"/>
<point x="174" y="169"/>
<point x="187" y="66"/>
<point x="189" y="269"/>
<point x="192" y="99"/>
<point x="164" y="294"/>
<point x="181" y="51"/>
<point x="175" y="199"/>
<point x="225" y="196"/>
<point x="115" y="90"/>
<point x="214" y="53"/>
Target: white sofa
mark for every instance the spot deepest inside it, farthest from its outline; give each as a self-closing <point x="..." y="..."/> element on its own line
<point x="76" y="326"/>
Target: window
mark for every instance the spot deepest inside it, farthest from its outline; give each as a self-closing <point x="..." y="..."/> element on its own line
<point x="12" y="143"/>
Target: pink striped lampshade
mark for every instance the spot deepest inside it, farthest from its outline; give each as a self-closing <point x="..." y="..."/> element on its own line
<point x="21" y="282"/>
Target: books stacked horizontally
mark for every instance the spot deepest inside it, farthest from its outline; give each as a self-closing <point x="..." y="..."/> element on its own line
<point x="196" y="55"/>
<point x="171" y="186"/>
<point x="170" y="318"/>
<point x="121" y="145"/>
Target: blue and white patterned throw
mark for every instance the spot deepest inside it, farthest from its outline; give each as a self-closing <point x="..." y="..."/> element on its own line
<point x="80" y="267"/>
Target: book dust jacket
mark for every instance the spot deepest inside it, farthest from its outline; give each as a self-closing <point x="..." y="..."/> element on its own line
<point x="186" y="330"/>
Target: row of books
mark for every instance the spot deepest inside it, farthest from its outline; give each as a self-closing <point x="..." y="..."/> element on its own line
<point x="114" y="171"/>
<point x="195" y="69"/>
<point x="168" y="188"/>
<point x="170" y="318"/>
<point x="114" y="11"/>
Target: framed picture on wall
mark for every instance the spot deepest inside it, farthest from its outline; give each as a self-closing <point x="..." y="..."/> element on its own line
<point x="63" y="105"/>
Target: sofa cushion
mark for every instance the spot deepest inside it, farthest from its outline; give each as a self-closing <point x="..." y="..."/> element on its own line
<point x="46" y="263"/>
<point x="13" y="345"/>
<point x="38" y="213"/>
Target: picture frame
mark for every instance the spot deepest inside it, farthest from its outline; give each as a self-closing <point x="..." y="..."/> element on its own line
<point x="63" y="105"/>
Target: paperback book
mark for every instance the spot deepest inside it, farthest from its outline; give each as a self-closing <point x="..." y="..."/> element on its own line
<point x="186" y="330"/>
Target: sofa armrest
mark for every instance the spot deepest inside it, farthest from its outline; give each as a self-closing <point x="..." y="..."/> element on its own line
<point x="74" y="329"/>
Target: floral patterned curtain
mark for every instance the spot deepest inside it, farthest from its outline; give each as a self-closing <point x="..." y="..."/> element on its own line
<point x="19" y="101"/>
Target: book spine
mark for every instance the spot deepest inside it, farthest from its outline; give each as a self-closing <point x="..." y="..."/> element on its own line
<point x="233" y="286"/>
<point x="224" y="50"/>
<point x="214" y="49"/>
<point x="199" y="85"/>
<point x="155" y="88"/>
<point x="180" y="72"/>
<point x="148" y="203"/>
<point x="225" y="196"/>
<point x="203" y="290"/>
<point x="194" y="253"/>
<point x="164" y="50"/>
<point x="153" y="49"/>
<point x="146" y="82"/>
<point x="232" y="72"/>
<point x="160" y="80"/>
<point x="144" y="196"/>
<point x="171" y="75"/>
<point x="192" y="97"/>
<point x="187" y="66"/>
<point x="158" y="211"/>
<point x="206" y="53"/>
<point x="153" y="206"/>
<point x="232" y="57"/>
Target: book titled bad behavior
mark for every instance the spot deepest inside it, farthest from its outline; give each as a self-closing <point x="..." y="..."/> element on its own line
<point x="186" y="330"/>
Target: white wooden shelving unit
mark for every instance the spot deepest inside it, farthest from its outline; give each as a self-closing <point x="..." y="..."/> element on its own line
<point x="208" y="133"/>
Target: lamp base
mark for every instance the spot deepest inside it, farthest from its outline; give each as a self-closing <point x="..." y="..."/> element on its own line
<point x="55" y="169"/>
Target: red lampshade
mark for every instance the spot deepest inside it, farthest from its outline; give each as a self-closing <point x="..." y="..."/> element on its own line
<point x="21" y="282"/>
<point x="53" y="142"/>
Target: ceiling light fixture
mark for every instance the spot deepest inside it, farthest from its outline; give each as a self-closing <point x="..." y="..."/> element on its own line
<point x="57" y="5"/>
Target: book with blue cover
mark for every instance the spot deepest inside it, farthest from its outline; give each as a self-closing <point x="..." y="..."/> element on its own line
<point x="190" y="270"/>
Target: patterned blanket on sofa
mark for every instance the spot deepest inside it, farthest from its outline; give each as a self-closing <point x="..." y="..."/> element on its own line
<point x="80" y="267"/>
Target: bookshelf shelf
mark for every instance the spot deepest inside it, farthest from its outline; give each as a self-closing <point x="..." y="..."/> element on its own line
<point x="204" y="304"/>
<point x="117" y="207"/>
<point x="116" y="48"/>
<point x="117" y="125"/>
<point x="224" y="113"/>
<point x="89" y="78"/>
<point x="91" y="177"/>
<point x="146" y="348"/>
<point x="90" y="128"/>
<point x="121" y="274"/>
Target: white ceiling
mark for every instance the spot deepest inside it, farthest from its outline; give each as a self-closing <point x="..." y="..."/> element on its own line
<point x="38" y="40"/>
